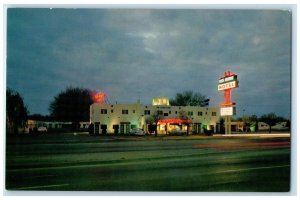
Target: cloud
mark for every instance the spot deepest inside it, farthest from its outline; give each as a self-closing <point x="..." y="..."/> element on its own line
<point x="132" y="52"/>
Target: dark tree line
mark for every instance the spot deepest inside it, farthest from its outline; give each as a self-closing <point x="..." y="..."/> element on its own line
<point x="189" y="98"/>
<point x="72" y="105"/>
<point x="16" y="111"/>
<point x="271" y="119"/>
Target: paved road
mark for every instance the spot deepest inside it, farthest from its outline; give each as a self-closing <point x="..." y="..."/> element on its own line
<point x="85" y="163"/>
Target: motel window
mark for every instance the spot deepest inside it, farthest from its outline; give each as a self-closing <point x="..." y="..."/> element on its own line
<point x="133" y="111"/>
<point x="147" y="112"/>
<point x="125" y="112"/>
<point x="166" y="114"/>
<point x="112" y="111"/>
<point x="103" y="111"/>
<point x="176" y="112"/>
<point x="170" y="112"/>
<point x="214" y="114"/>
<point x="190" y="113"/>
<point x="199" y="113"/>
<point x="160" y="112"/>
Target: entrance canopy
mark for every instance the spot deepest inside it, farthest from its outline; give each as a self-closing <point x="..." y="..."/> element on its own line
<point x="175" y="121"/>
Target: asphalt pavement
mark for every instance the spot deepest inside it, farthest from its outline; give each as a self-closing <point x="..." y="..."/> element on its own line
<point x="150" y="164"/>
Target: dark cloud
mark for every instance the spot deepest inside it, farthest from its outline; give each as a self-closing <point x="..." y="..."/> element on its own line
<point x="131" y="53"/>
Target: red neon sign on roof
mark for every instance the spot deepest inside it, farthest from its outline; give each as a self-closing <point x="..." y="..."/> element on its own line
<point x="99" y="97"/>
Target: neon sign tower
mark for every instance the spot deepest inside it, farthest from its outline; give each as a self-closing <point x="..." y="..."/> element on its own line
<point x="226" y="84"/>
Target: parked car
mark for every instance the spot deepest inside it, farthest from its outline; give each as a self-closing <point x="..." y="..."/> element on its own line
<point x="137" y="131"/>
<point x="177" y="132"/>
<point x="42" y="129"/>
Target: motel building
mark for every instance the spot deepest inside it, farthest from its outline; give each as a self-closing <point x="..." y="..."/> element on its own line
<point x="121" y="118"/>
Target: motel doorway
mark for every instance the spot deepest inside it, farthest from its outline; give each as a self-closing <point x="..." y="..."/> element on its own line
<point x="197" y="128"/>
<point x="124" y="127"/>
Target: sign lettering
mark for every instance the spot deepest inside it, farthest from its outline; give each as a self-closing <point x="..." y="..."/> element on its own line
<point x="225" y="86"/>
<point x="227" y="79"/>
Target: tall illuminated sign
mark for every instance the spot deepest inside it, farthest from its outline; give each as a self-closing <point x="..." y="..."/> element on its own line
<point x="226" y="84"/>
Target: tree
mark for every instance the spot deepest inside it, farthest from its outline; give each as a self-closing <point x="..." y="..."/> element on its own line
<point x="188" y="98"/>
<point x="154" y="119"/>
<point x="40" y="117"/>
<point x="16" y="111"/>
<point x="184" y="116"/>
<point x="72" y="105"/>
<point x="271" y="119"/>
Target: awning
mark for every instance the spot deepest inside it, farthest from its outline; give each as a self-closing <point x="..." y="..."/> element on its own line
<point x="177" y="121"/>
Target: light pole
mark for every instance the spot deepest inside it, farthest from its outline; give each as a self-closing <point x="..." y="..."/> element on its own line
<point x="243" y="118"/>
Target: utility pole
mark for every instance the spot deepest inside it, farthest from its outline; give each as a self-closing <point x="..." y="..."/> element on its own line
<point x="244" y="119"/>
<point x="139" y="96"/>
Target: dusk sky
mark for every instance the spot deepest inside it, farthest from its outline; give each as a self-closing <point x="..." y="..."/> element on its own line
<point x="151" y="52"/>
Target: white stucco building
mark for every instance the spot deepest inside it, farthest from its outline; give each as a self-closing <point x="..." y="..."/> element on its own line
<point x="121" y="118"/>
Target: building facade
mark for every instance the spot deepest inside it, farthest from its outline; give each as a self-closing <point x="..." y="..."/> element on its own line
<point x="121" y="118"/>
